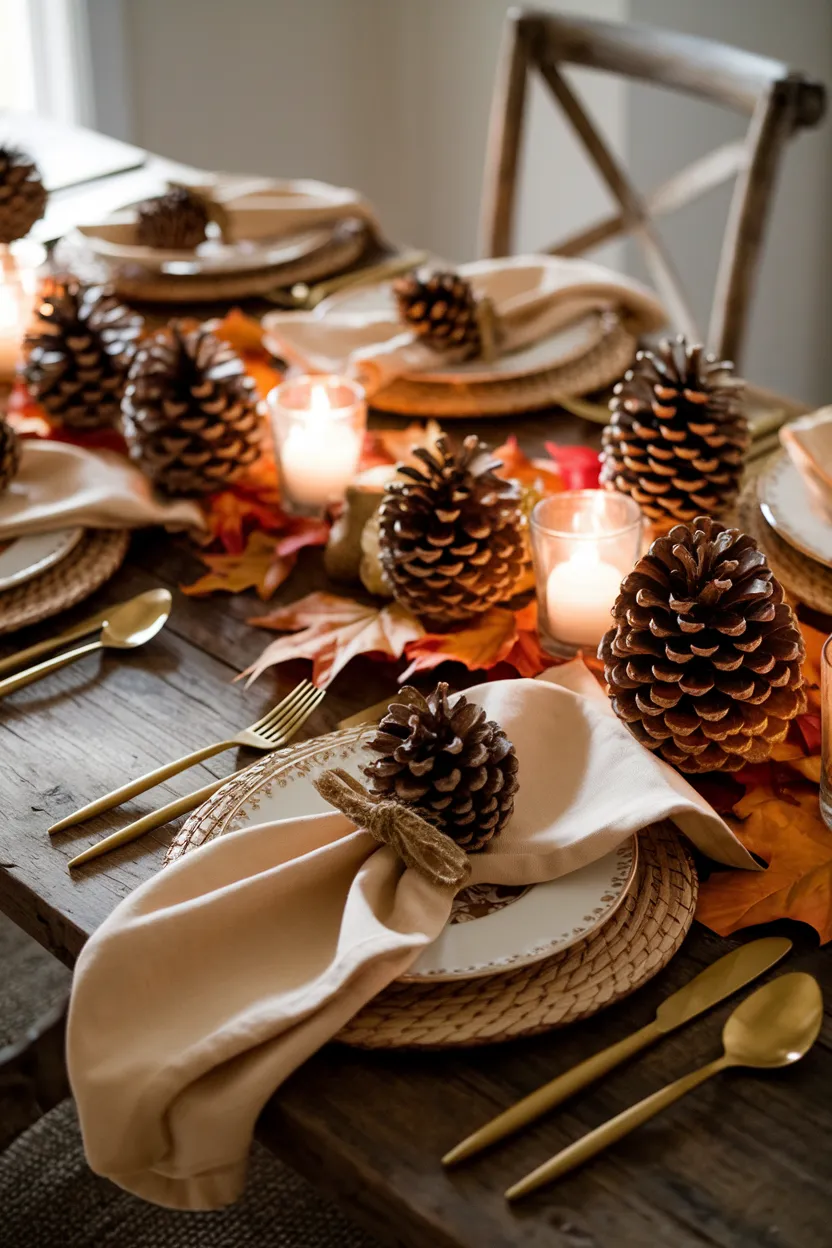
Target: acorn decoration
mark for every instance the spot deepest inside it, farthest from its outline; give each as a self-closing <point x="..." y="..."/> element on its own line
<point x="441" y="309"/>
<point x="451" y="533"/>
<point x="677" y="439"/>
<point x="175" y="221"/>
<point x="78" y="352"/>
<point x="9" y="454"/>
<point x="444" y="759"/>
<point x="703" y="663"/>
<point x="22" y="194"/>
<point x="190" y="412"/>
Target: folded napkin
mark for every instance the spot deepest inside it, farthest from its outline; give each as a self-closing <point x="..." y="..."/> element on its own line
<point x="809" y="445"/>
<point x="533" y="297"/>
<point x="212" y="982"/>
<point x="61" y="486"/>
<point x="255" y="209"/>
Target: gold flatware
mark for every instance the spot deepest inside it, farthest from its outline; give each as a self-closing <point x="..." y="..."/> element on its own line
<point x="303" y="298"/>
<point x="21" y="657"/>
<point x="294" y="717"/>
<point x="717" y="982"/>
<point x="131" y="625"/>
<point x="776" y="1026"/>
<point x="265" y="733"/>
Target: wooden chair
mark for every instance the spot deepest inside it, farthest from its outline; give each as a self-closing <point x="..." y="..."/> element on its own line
<point x="777" y="101"/>
<point x="33" y="1076"/>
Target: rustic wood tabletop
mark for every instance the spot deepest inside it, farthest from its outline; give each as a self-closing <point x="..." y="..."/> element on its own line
<point x="743" y="1162"/>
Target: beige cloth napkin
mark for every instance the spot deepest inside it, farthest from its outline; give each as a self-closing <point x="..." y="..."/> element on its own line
<point x="808" y="442"/>
<point x="534" y="297"/>
<point x="212" y="982"/>
<point x="256" y="209"/>
<point x="63" y="486"/>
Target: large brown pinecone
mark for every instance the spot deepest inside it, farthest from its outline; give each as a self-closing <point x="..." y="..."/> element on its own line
<point x="451" y="533"/>
<point x="190" y="411"/>
<point x="447" y="761"/>
<point x="677" y="439"/>
<point x="9" y="454"/>
<point x="703" y="663"/>
<point x="175" y="221"/>
<point x="78" y="352"/>
<point x="441" y="309"/>
<point x="22" y="194"/>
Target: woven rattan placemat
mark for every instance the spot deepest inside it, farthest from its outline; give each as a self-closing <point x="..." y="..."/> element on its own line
<point x="640" y="938"/>
<point x="601" y="365"/>
<point x="93" y="561"/>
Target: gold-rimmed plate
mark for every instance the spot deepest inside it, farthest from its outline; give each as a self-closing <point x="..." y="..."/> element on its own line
<point x="492" y="929"/>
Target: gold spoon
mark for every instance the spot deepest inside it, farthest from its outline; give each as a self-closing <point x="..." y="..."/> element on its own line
<point x="775" y="1026"/>
<point x="128" y="626"/>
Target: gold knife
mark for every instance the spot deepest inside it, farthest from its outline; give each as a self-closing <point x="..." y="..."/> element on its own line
<point x="714" y="984"/>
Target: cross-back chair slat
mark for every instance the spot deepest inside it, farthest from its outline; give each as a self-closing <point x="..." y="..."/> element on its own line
<point x="777" y="101"/>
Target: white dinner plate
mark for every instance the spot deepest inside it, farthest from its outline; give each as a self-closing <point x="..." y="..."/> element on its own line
<point x="557" y="349"/>
<point x="492" y="928"/>
<point x="213" y="256"/>
<point x="24" y="558"/>
<point x="796" y="512"/>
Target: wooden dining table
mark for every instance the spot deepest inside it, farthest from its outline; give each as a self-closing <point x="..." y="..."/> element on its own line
<point x="743" y="1162"/>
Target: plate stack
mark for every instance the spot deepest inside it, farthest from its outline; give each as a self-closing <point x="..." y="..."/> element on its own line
<point x="42" y="574"/>
<point x="510" y="962"/>
<point x="792" y="524"/>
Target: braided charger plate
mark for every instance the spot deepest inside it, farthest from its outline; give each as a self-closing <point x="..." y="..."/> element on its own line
<point x="640" y="937"/>
<point x="93" y="561"/>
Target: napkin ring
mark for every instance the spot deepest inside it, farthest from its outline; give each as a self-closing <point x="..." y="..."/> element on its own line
<point x="415" y="841"/>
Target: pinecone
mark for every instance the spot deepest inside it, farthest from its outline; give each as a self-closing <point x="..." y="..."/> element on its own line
<point x="446" y="760"/>
<point x="78" y="353"/>
<point x="703" y="663"/>
<point x="190" y="411"/>
<point x="677" y="439"/>
<point x="441" y="309"/>
<point x="451" y="534"/>
<point x="175" y="221"/>
<point x="22" y="194"/>
<point x="9" y="454"/>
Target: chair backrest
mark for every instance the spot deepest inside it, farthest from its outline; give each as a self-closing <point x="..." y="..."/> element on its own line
<point x="777" y="101"/>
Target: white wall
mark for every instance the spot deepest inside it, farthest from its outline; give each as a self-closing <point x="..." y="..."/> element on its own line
<point x="393" y="96"/>
<point x="789" y="335"/>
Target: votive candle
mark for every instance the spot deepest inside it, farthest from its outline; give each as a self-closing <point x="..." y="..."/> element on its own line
<point x="319" y="427"/>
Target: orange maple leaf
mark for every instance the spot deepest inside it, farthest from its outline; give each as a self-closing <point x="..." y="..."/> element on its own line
<point x="396" y="446"/>
<point x="793" y="839"/>
<point x="497" y="636"/>
<point x="540" y="475"/>
<point x="331" y="630"/>
<point x="263" y="564"/>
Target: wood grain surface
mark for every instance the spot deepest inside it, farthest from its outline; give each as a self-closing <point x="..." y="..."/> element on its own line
<point x="741" y="1163"/>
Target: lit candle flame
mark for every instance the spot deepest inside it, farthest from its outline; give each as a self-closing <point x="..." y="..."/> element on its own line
<point x="319" y="401"/>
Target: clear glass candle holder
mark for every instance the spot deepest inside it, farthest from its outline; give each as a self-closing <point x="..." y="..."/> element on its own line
<point x="20" y="265"/>
<point x="826" y="732"/>
<point x="318" y="424"/>
<point x="584" y="542"/>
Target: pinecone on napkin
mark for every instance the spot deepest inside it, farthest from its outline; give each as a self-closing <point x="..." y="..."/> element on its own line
<point x="447" y="761"/>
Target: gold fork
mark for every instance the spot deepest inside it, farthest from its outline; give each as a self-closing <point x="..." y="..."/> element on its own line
<point x="260" y="735"/>
<point x="292" y="720"/>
